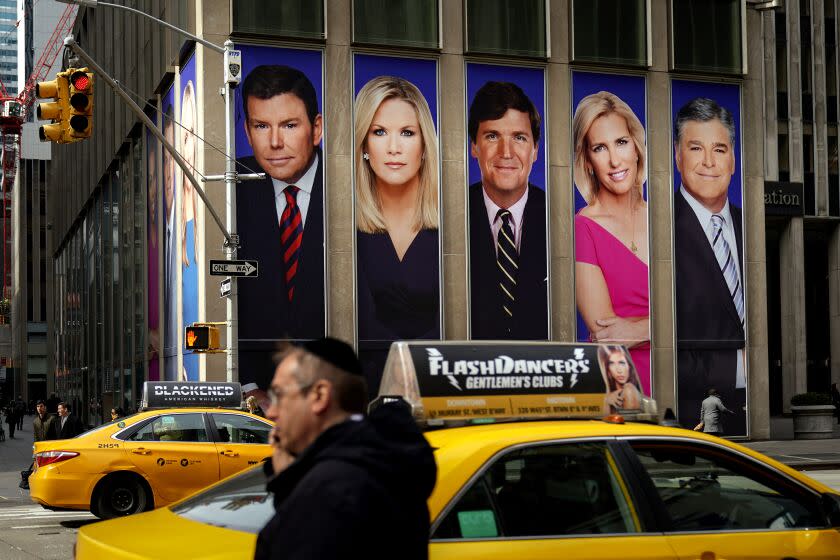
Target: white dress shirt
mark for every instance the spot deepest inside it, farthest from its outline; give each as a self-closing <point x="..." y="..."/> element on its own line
<point x="517" y="210"/>
<point x="704" y="216"/>
<point x="303" y="196"/>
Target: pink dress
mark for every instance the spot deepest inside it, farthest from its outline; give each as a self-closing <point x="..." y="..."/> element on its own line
<point x="627" y="281"/>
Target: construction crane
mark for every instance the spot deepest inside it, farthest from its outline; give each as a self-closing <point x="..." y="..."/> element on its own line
<point x="13" y="113"/>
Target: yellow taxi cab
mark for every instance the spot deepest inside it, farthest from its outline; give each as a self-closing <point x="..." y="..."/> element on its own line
<point x="532" y="486"/>
<point x="152" y="458"/>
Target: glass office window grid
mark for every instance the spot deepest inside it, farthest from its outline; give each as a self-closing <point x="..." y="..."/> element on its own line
<point x="290" y="18"/>
<point x="100" y="316"/>
<point x="707" y="36"/>
<point x="507" y="28"/>
<point x="610" y="31"/>
<point x="399" y="23"/>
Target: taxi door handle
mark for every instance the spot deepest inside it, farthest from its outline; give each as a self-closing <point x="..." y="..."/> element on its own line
<point x="229" y="453"/>
<point x="142" y="451"/>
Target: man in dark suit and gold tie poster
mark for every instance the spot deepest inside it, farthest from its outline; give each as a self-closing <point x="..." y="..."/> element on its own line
<point x="508" y="271"/>
<point x="709" y="249"/>
<point x="280" y="218"/>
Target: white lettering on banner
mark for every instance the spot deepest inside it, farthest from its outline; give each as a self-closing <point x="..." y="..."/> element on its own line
<point x="193" y="391"/>
<point x="545" y="373"/>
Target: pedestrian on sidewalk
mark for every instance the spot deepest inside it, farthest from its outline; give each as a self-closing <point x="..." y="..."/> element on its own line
<point x="20" y="411"/>
<point x="68" y="425"/>
<point x="711" y="408"/>
<point x="835" y="400"/>
<point x="345" y="485"/>
<point x="11" y="419"/>
<point x="43" y="429"/>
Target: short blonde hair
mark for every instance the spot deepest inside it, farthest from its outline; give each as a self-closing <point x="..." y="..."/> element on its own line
<point x="588" y="110"/>
<point x="368" y="212"/>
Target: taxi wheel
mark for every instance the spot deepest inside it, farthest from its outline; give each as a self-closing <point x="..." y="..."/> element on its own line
<point x="121" y="495"/>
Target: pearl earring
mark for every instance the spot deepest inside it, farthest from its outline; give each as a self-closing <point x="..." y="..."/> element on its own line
<point x="365" y="156"/>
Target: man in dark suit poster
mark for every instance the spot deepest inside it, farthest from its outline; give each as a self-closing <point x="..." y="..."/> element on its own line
<point x="280" y="218"/>
<point x="708" y="255"/>
<point x="508" y="268"/>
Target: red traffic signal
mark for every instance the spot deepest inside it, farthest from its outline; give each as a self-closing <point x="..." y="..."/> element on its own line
<point x="81" y="103"/>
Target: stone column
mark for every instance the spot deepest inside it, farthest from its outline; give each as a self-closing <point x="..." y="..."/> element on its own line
<point x="338" y="182"/>
<point x="834" y="302"/>
<point x="792" y="288"/>
<point x="660" y="228"/>
<point x="755" y="257"/>
<point x="561" y="190"/>
<point x="453" y="173"/>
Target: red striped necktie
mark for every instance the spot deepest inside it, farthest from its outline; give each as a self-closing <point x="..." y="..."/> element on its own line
<point x="291" y="236"/>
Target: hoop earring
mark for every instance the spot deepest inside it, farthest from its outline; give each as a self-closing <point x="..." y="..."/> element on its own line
<point x="365" y="156"/>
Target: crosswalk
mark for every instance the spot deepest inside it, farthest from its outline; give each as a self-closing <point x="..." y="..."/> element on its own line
<point x="32" y="516"/>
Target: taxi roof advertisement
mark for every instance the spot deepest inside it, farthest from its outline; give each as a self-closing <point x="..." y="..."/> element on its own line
<point x="167" y="394"/>
<point x="469" y="381"/>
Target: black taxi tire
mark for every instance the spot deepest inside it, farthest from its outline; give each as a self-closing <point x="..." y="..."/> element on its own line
<point x="120" y="494"/>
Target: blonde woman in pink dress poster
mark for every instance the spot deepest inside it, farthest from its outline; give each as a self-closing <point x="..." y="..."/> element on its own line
<point x="611" y="231"/>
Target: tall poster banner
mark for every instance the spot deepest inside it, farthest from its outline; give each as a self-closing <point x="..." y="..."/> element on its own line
<point x="280" y="219"/>
<point x="611" y="221"/>
<point x="188" y="230"/>
<point x="153" y="243"/>
<point x="507" y="203"/>
<point x="396" y="201"/>
<point x="170" y="263"/>
<point x="709" y="254"/>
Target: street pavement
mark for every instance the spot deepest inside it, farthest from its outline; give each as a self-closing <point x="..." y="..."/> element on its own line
<point x="28" y="531"/>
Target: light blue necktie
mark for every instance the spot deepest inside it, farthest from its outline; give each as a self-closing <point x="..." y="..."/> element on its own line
<point x="727" y="264"/>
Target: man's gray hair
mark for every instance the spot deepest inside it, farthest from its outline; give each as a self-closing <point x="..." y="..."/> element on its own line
<point x="703" y="109"/>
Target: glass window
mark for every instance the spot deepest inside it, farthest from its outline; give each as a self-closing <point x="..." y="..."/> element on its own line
<point x="507" y="28"/>
<point x="569" y="489"/>
<point x="289" y="18"/>
<point x="706" y="35"/>
<point x="241" y="503"/>
<point x="708" y="489"/>
<point x="403" y="23"/>
<point x="234" y="428"/>
<point x="172" y="427"/>
<point x="611" y="31"/>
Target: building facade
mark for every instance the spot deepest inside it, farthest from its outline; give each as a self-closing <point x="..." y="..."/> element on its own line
<point x="126" y="283"/>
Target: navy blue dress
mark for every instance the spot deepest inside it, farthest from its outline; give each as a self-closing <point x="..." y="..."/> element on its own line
<point x="397" y="300"/>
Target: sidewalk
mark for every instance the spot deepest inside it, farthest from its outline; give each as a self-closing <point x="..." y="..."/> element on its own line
<point x="801" y="453"/>
<point x="15" y="455"/>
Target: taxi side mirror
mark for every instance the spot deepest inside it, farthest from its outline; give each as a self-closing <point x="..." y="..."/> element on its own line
<point x="831" y="506"/>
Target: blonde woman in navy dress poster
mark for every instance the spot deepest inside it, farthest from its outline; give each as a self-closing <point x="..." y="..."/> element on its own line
<point x="396" y="218"/>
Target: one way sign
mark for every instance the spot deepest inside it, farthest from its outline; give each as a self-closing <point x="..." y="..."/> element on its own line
<point x="247" y="269"/>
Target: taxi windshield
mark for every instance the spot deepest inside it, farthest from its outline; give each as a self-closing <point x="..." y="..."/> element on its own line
<point x="241" y="503"/>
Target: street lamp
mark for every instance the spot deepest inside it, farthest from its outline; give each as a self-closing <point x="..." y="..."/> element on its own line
<point x="232" y="72"/>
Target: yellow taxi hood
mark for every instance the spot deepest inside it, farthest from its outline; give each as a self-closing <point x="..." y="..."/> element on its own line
<point x="138" y="537"/>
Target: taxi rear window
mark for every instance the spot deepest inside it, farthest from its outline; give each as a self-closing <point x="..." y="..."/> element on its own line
<point x="241" y="503"/>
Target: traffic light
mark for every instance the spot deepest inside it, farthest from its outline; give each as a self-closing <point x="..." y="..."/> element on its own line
<point x="56" y="111"/>
<point x="201" y="338"/>
<point x="81" y="103"/>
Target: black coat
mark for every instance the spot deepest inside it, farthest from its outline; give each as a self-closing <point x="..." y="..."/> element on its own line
<point x="530" y="313"/>
<point x="359" y="491"/>
<point x="72" y="427"/>
<point x="709" y="331"/>
<point x="265" y="313"/>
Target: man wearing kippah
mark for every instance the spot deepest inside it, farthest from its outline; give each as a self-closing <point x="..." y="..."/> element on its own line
<point x="344" y="485"/>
